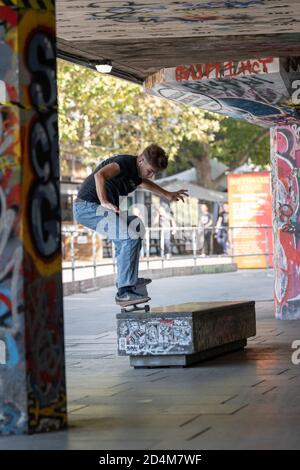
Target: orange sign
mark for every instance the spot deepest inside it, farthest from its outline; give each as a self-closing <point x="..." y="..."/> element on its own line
<point x="250" y="219"/>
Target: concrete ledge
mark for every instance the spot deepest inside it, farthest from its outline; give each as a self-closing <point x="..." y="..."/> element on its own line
<point x="141" y="362"/>
<point x="87" y="285"/>
<point x="184" y="333"/>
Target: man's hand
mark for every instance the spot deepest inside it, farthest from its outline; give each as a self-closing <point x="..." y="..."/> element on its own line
<point x="177" y="195"/>
<point x="110" y="206"/>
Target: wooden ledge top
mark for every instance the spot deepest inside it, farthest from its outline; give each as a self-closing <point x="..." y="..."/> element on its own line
<point x="189" y="308"/>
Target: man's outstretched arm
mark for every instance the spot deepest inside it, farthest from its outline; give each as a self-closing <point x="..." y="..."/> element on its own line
<point x="102" y="175"/>
<point x="159" y="191"/>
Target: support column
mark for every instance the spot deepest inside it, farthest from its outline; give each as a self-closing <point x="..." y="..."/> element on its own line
<point x="285" y="156"/>
<point x="32" y="368"/>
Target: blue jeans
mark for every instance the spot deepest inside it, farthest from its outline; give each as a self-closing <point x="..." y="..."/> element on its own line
<point x="126" y="232"/>
<point x="222" y="239"/>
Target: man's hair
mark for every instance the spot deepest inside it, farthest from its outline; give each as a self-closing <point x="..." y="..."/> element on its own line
<point x="156" y="156"/>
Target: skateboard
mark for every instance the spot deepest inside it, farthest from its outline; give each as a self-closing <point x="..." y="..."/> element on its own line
<point x="134" y="306"/>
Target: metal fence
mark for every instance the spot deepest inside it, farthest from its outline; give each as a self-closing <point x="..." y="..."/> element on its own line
<point x="162" y="244"/>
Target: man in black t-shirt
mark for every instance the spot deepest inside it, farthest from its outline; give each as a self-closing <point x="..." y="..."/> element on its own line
<point x="119" y="183"/>
<point x="98" y="207"/>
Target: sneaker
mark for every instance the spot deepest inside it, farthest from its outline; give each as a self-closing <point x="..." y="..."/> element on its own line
<point x="129" y="297"/>
<point x="143" y="281"/>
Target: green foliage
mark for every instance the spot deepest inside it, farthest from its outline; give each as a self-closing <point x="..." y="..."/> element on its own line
<point x="238" y="142"/>
<point x="100" y="115"/>
<point x="121" y="116"/>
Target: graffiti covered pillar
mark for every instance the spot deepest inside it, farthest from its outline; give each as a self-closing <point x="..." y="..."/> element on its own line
<point x="285" y="155"/>
<point x="32" y="375"/>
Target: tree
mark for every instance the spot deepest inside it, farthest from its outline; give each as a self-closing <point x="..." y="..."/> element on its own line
<point x="100" y="115"/>
<point x="236" y="143"/>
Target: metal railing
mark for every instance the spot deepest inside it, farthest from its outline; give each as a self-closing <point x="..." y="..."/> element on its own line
<point x="183" y="242"/>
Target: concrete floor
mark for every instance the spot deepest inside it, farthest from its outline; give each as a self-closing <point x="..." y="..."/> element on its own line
<point x="245" y="400"/>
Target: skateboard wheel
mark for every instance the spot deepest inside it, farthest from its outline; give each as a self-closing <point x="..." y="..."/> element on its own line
<point x="147" y="308"/>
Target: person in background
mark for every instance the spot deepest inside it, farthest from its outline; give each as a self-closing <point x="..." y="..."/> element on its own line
<point x="222" y="228"/>
<point x="206" y="222"/>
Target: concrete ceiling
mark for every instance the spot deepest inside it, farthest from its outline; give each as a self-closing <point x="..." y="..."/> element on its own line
<point x="141" y="36"/>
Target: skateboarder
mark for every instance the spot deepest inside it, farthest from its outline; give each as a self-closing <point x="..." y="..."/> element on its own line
<point x="98" y="208"/>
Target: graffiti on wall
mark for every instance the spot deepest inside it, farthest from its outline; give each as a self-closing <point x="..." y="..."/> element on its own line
<point x="224" y="69"/>
<point x="285" y="145"/>
<point x="257" y="91"/>
<point x="32" y="375"/>
<point x="13" y="412"/>
<point x="184" y="18"/>
<point x="156" y="337"/>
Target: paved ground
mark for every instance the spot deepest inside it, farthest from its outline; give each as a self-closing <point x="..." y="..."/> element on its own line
<point x="245" y="400"/>
<point x="94" y="313"/>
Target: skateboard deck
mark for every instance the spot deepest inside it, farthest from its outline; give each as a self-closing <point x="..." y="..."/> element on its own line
<point x="134" y="306"/>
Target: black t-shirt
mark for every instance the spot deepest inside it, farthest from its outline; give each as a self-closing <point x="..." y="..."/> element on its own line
<point x="119" y="185"/>
<point x="205" y="219"/>
<point x="225" y="219"/>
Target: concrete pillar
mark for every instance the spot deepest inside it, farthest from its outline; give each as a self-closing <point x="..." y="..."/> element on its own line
<point x="285" y="156"/>
<point x="32" y="373"/>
